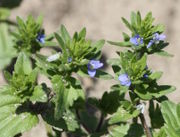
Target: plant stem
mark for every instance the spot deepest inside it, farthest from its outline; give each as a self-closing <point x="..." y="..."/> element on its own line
<point x="141" y="116"/>
<point x="145" y="126"/>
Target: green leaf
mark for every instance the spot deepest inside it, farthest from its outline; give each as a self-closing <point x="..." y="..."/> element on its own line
<point x="40" y="20"/>
<point x="98" y="45"/>
<point x="39" y="94"/>
<point x="89" y="120"/>
<point x="138" y="19"/>
<point x="118" y="131"/>
<point x="15" y="124"/>
<point x="156" y="75"/>
<point x="82" y="33"/>
<point x="61" y="96"/>
<point x="11" y="122"/>
<point x="122" y="115"/>
<point x="164" y="53"/>
<point x="7" y="51"/>
<point x="133" y="19"/>
<point x="63" y="46"/>
<point x="110" y="101"/>
<point x="155" y="115"/>
<point x="126" y="36"/>
<point x="153" y="91"/>
<point x="65" y="96"/>
<point x="128" y="25"/>
<point x="7" y="76"/>
<point x="4" y="13"/>
<point x="65" y="34"/>
<point x="70" y="120"/>
<point x="103" y="75"/>
<point x="23" y="64"/>
<point x="161" y="133"/>
<point x="120" y="44"/>
<point x="171" y="116"/>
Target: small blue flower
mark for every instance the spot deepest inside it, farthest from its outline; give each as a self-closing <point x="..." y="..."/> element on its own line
<point x="124" y="80"/>
<point x="156" y="39"/>
<point x="41" y="38"/>
<point x="69" y="60"/>
<point x="150" y="43"/>
<point x="145" y="76"/>
<point x="93" y="65"/>
<point x="136" y="40"/>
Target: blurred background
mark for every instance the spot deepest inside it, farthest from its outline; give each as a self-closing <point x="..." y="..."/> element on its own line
<point x="102" y="18"/>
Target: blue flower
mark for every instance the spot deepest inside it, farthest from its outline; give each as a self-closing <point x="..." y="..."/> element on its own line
<point x="124" y="80"/>
<point x="136" y="40"/>
<point x="41" y="38"/>
<point x="93" y="65"/>
<point x="156" y="39"/>
<point x="69" y="59"/>
<point x="145" y="76"/>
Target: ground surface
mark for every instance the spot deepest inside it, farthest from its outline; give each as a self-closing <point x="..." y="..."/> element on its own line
<point x="103" y="20"/>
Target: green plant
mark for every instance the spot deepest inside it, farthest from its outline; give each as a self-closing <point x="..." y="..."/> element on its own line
<point x="64" y="106"/>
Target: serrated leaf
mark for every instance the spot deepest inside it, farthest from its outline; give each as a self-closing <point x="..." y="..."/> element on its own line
<point x="39" y="94"/>
<point x="15" y="124"/>
<point x="12" y="123"/>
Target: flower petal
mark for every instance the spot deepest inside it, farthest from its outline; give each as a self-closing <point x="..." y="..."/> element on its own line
<point x="95" y="64"/>
<point x="91" y="72"/>
<point x="124" y="80"/>
<point x="150" y="43"/>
